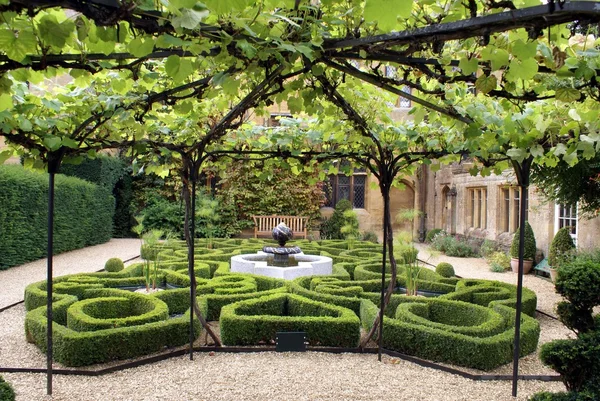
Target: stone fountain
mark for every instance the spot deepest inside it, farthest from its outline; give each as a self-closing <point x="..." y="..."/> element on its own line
<point x="286" y="262"/>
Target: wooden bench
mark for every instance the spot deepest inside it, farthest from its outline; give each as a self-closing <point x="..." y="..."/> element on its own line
<point x="263" y="225"/>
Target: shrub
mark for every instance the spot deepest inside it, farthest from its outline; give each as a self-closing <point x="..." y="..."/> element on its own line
<point x="530" y="247"/>
<point x="252" y="321"/>
<point x="442" y="242"/>
<point x="332" y="228"/>
<point x="445" y="269"/>
<point x="6" y="391"/>
<point x="455" y="332"/>
<point x="561" y="245"/>
<point x="578" y="360"/>
<point x="432" y="233"/>
<point x="488" y="248"/>
<point x="460" y="248"/>
<point x="83" y="215"/>
<point x="114" y="265"/>
<point x="499" y="262"/>
<point x="370" y="236"/>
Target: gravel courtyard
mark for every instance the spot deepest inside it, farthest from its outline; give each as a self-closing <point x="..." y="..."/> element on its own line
<point x="259" y="376"/>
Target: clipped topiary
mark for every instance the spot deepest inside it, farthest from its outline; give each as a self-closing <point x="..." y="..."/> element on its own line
<point x="6" y="391"/>
<point x="431" y="234"/>
<point x="530" y="246"/>
<point x="561" y="245"/>
<point x="114" y="265"/>
<point x="445" y="269"/>
<point x="577" y="360"/>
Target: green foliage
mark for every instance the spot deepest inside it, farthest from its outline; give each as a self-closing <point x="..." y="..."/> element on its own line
<point x="530" y="246"/>
<point x="579" y="283"/>
<point x="6" y="391"/>
<point x="370" y="236"/>
<point x="104" y="170"/>
<point x="452" y="246"/>
<point x="163" y="214"/>
<point x="114" y="265"/>
<point x="432" y="233"/>
<point x="83" y="215"/>
<point x="488" y="248"/>
<point x="341" y="219"/>
<point x="499" y="262"/>
<point x="577" y="360"/>
<point x="279" y="192"/>
<point x="561" y="245"/>
<point x="252" y="321"/>
<point x="445" y="269"/>
<point x="124" y="197"/>
<point x="455" y="332"/>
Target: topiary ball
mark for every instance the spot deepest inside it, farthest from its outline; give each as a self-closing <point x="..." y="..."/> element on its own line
<point x="114" y="265"/>
<point x="445" y="269"/>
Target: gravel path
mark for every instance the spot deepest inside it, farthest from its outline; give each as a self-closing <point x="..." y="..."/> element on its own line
<point x="90" y="259"/>
<point x="258" y="376"/>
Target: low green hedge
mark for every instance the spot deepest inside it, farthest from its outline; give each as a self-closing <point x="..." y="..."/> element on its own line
<point x="252" y="321"/>
<point x="215" y="302"/>
<point x="489" y="293"/>
<point x="72" y="348"/>
<point x="6" y="391"/>
<point x="436" y="342"/>
<point x="427" y="280"/>
<point x="127" y="309"/>
<point x="83" y="215"/>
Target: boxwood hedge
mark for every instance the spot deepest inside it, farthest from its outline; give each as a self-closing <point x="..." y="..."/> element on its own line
<point x="83" y="215"/>
<point x="255" y="320"/>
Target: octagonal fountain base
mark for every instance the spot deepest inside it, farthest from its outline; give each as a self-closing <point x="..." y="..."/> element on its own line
<point x="308" y="265"/>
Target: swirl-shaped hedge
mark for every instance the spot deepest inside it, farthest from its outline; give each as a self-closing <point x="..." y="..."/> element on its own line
<point x="95" y="320"/>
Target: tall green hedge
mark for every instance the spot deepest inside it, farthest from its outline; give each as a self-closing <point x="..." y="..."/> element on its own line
<point x="83" y="215"/>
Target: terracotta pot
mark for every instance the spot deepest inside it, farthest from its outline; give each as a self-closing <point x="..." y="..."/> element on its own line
<point x="527" y="265"/>
<point x="553" y="274"/>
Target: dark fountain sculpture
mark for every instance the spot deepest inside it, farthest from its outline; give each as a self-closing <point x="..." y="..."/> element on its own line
<point x="281" y="254"/>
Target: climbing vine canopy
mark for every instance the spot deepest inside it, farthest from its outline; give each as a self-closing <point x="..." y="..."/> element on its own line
<point x="146" y="59"/>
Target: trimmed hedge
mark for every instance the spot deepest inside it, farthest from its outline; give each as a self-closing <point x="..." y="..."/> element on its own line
<point x="250" y="322"/>
<point x="490" y="293"/>
<point x="72" y="348"/>
<point x="6" y="391"/>
<point x="129" y="309"/>
<point x="435" y="341"/>
<point x="83" y="215"/>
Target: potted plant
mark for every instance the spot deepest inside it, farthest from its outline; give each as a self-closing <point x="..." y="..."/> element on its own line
<point x="530" y="249"/>
<point x="562" y="244"/>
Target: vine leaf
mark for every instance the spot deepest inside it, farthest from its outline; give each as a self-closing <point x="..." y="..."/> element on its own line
<point x="567" y="94"/>
<point x="17" y="45"/>
<point x="486" y="84"/>
<point x="380" y="11"/>
<point x="190" y="19"/>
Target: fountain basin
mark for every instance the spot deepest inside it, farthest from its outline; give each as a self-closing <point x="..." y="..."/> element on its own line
<point x="308" y="265"/>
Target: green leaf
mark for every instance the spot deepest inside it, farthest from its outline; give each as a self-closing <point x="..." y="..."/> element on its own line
<point x="189" y="18"/>
<point x="468" y="66"/>
<point x="54" y="33"/>
<point x="486" y="84"/>
<point x="516" y="154"/>
<point x="525" y="69"/>
<point x="524" y="51"/>
<point x="6" y="101"/>
<point x="567" y="95"/>
<point x="17" y="45"/>
<point x="25" y="125"/>
<point x="141" y="47"/>
<point x="5" y="155"/>
<point x="178" y="68"/>
<point x="52" y="142"/>
<point x="381" y="11"/>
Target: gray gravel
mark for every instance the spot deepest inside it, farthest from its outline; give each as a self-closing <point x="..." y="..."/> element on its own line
<point x="90" y="259"/>
<point x="259" y="376"/>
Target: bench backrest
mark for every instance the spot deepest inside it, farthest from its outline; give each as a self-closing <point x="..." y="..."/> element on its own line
<point x="263" y="225"/>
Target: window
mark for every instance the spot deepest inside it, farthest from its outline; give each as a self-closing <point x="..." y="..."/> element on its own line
<point x="566" y="216"/>
<point x="404" y="102"/>
<point x="390" y="71"/>
<point x="477" y="207"/>
<point x="510" y="208"/>
<point x="346" y="187"/>
<point x="274" y="119"/>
